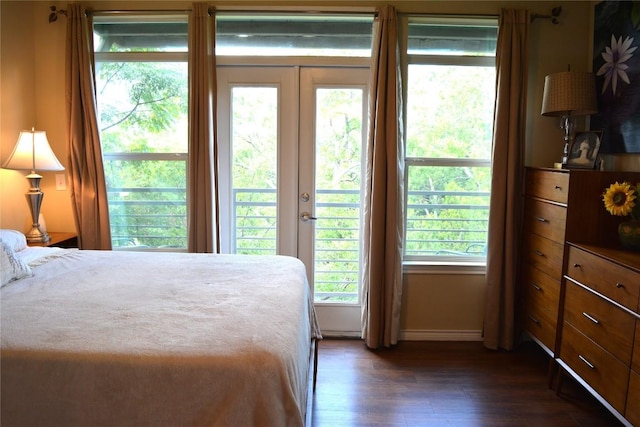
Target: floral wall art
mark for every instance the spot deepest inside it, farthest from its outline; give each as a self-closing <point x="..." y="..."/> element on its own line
<point x="616" y="62"/>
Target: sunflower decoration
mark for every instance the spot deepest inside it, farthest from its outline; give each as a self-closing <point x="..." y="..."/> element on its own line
<point x="621" y="199"/>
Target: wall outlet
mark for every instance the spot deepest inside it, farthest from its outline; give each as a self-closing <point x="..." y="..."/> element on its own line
<point x="61" y="181"/>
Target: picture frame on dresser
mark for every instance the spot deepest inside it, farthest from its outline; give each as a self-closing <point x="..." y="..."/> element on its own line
<point x="584" y="149"/>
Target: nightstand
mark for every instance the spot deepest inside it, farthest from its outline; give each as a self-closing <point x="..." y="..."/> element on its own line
<point x="59" y="240"/>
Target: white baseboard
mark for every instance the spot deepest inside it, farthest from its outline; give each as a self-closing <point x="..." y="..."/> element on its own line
<point x="440" y="335"/>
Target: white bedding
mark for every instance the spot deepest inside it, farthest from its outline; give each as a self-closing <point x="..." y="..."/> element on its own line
<point x="131" y="338"/>
<point x="37" y="255"/>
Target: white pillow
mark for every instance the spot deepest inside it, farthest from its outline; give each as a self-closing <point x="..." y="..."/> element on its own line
<point x="14" y="239"/>
<point x="11" y="267"/>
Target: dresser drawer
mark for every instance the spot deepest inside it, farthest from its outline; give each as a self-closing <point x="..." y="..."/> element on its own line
<point x="545" y="219"/>
<point x="606" y="374"/>
<point x="633" y="399"/>
<point x="538" y="323"/>
<point x="544" y="254"/>
<point x="549" y="185"/>
<point x="616" y="282"/>
<point x="606" y="324"/>
<point x="540" y="290"/>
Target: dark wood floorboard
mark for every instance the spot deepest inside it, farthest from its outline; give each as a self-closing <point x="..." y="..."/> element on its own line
<point x="445" y="384"/>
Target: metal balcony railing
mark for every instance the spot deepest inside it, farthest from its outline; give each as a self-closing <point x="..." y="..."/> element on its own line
<point x="155" y="218"/>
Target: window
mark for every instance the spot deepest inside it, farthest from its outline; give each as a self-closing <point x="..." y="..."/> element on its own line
<point x="302" y="34"/>
<point x="450" y="104"/>
<point x="142" y="86"/>
<point x="142" y="93"/>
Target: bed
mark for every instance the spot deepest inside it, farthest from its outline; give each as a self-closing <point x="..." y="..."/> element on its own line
<point x="153" y="339"/>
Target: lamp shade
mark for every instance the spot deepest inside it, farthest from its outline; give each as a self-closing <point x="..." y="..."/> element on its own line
<point x="33" y="152"/>
<point x="569" y="92"/>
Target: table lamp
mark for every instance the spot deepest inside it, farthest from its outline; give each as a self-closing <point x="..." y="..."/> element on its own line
<point x="569" y="94"/>
<point x="32" y="152"/>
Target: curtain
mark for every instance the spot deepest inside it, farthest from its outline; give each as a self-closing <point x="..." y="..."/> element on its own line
<point x="507" y="166"/>
<point x="88" y="186"/>
<point x="384" y="190"/>
<point x="203" y="193"/>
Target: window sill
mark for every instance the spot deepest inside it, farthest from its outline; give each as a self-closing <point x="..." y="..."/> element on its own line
<point x="458" y="268"/>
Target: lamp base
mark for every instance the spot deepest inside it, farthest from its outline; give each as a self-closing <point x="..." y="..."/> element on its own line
<point x="568" y="125"/>
<point x="34" y="198"/>
<point x="35" y="235"/>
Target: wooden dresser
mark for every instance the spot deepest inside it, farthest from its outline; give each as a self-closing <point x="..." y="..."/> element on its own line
<point x="545" y="215"/>
<point x="580" y="290"/>
<point x="601" y="315"/>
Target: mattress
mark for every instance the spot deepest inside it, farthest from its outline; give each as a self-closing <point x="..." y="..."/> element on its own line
<point x="163" y="339"/>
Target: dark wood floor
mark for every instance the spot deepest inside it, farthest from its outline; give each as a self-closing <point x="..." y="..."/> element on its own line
<point x="445" y="384"/>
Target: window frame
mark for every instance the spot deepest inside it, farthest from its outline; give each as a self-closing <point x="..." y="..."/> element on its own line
<point x="148" y="57"/>
<point x="439" y="264"/>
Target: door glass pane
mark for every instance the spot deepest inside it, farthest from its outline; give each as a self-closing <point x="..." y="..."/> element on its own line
<point x="338" y="156"/>
<point x="254" y="138"/>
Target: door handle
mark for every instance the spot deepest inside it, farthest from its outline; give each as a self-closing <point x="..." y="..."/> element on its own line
<point x="305" y="216"/>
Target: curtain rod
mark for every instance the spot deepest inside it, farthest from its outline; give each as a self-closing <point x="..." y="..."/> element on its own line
<point x="53" y="16"/>
<point x="553" y="17"/>
<point x="127" y="11"/>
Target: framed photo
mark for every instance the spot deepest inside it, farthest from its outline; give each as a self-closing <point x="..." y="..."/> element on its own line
<point x="584" y="150"/>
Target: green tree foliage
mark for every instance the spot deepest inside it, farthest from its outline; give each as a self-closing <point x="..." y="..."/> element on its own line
<point x="338" y="156"/>
<point x="143" y="97"/>
<point x="450" y="110"/>
<point x="255" y="168"/>
<point x="143" y="113"/>
<point x="143" y="116"/>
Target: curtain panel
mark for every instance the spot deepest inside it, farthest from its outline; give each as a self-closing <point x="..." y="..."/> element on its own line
<point x="86" y="172"/>
<point x="506" y="187"/>
<point x="384" y="190"/>
<point x="202" y="217"/>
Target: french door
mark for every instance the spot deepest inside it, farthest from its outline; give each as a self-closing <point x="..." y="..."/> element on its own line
<point x="291" y="160"/>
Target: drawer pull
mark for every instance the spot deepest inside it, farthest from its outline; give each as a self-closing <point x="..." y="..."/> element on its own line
<point x="539" y="218"/>
<point x="557" y="187"/>
<point x="619" y="285"/>
<point x="535" y="286"/>
<point x="576" y="265"/>
<point x="586" y="362"/>
<point x="593" y="319"/>
<point x="539" y="253"/>
<point x="533" y="319"/>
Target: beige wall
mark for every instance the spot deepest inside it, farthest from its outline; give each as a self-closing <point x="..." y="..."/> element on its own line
<point x="32" y="76"/>
<point x="17" y="104"/>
